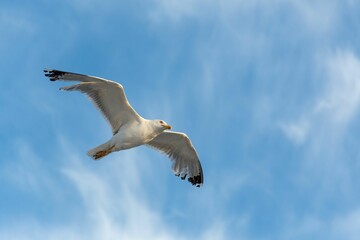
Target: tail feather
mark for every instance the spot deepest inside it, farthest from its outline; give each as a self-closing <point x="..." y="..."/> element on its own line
<point x="100" y="151"/>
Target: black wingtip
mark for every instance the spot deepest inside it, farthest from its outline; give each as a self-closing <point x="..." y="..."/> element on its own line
<point x="196" y="180"/>
<point x="53" y="75"/>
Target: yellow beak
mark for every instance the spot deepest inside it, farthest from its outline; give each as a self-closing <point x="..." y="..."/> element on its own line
<point x="167" y="126"/>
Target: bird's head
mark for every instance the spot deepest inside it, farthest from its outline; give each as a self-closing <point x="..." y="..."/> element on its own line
<point x="162" y="125"/>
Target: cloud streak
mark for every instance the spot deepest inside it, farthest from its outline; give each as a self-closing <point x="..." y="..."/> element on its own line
<point x="338" y="102"/>
<point x="111" y="202"/>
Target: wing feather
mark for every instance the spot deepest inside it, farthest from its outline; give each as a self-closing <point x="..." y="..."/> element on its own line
<point x="181" y="151"/>
<point x="108" y="96"/>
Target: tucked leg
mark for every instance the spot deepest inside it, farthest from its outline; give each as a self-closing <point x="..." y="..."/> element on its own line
<point x="102" y="153"/>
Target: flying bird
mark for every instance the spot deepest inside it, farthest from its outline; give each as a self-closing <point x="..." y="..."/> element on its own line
<point x="130" y="129"/>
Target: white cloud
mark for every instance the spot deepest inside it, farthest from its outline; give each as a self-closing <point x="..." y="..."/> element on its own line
<point x="326" y="170"/>
<point x="337" y="103"/>
<point x="111" y="199"/>
<point x="116" y="208"/>
<point x="297" y="132"/>
<point x="114" y="198"/>
<point x="243" y="33"/>
<point x="343" y="92"/>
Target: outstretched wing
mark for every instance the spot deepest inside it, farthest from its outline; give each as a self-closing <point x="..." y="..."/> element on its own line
<point x="108" y="96"/>
<point x="185" y="160"/>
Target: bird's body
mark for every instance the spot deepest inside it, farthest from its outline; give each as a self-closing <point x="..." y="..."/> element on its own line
<point x="130" y="135"/>
<point x="133" y="135"/>
<point x="130" y="129"/>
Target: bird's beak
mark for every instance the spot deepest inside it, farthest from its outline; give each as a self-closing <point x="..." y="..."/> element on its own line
<point x="167" y="126"/>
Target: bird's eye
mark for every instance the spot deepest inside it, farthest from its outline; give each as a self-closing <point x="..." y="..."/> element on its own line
<point x="161" y="122"/>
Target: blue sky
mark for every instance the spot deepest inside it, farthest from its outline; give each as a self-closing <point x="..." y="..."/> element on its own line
<point x="268" y="91"/>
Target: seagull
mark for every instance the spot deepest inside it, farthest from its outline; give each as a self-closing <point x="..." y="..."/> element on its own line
<point x="129" y="128"/>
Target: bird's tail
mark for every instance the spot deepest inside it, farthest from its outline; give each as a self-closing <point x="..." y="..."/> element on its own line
<point x="100" y="151"/>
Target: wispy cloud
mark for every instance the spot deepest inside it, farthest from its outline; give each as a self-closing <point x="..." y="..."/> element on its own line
<point x="26" y="170"/>
<point x="337" y="103"/>
<point x="343" y="91"/>
<point x="326" y="162"/>
<point x="117" y="208"/>
<point x="112" y="202"/>
<point x="347" y="226"/>
<point x="297" y="132"/>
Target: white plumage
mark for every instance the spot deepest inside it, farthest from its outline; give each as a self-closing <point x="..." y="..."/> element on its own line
<point x="130" y="129"/>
